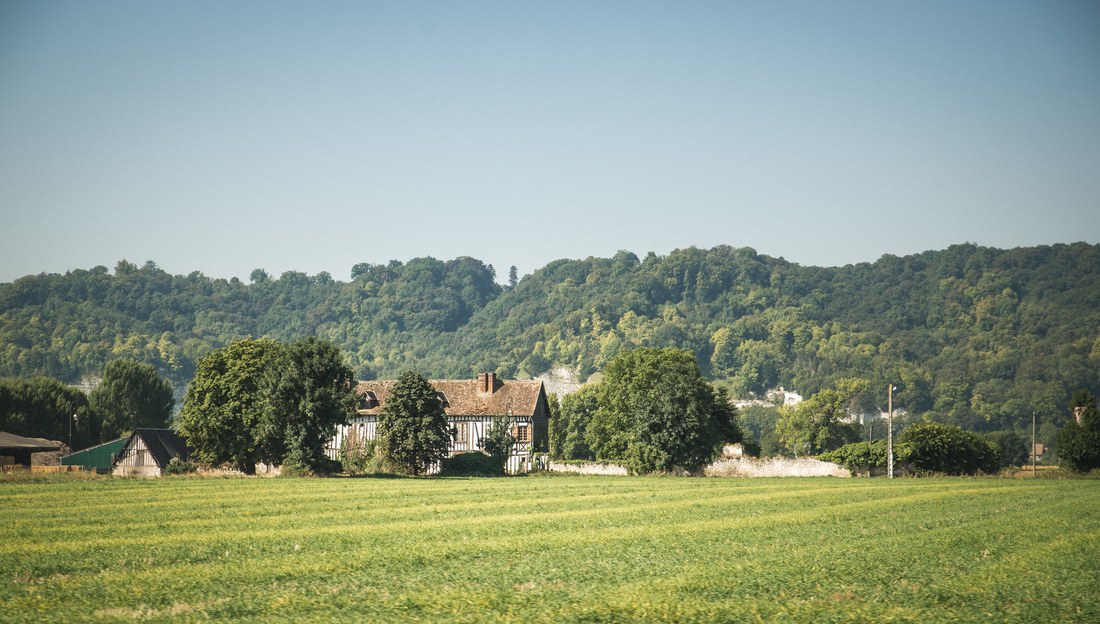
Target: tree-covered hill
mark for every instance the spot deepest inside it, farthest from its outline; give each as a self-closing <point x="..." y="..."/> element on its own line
<point x="980" y="337"/>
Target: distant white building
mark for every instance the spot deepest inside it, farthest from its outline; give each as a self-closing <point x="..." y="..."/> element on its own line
<point x="772" y="398"/>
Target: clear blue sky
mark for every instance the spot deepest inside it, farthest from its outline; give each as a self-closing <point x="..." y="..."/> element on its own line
<point x="226" y="136"/>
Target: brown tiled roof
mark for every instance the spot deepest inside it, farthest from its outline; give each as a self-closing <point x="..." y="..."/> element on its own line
<point x="463" y="397"/>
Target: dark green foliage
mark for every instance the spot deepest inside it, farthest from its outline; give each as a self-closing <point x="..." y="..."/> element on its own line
<point x="498" y="442"/>
<point x="977" y="337"/>
<point x="472" y="464"/>
<point x="948" y="449"/>
<point x="43" y="408"/>
<point x="656" y="412"/>
<point x="259" y="400"/>
<point x="725" y="416"/>
<point x="758" y="424"/>
<point x="412" y="432"/>
<point x="132" y="394"/>
<point x="176" y="467"/>
<point x="225" y="403"/>
<point x="817" y="425"/>
<point x="866" y="456"/>
<point x="308" y="392"/>
<point x="567" y="431"/>
<point x="356" y="453"/>
<point x="1013" y="447"/>
<point x="1079" y="444"/>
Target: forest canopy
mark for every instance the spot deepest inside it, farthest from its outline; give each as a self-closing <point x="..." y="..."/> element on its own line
<point x="974" y="336"/>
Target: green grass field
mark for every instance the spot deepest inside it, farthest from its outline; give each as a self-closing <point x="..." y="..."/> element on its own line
<point x="550" y="549"/>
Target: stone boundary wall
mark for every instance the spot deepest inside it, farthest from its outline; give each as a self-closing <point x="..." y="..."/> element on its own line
<point x="587" y="468"/>
<point x="774" y="467"/>
<point x="743" y="467"/>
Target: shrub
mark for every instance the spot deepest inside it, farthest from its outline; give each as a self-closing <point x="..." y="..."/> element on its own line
<point x="498" y="442"/>
<point x="1013" y="447"/>
<point x="867" y="456"/>
<point x="1078" y="448"/>
<point x="356" y="453"/>
<point x="950" y="450"/>
<point x="177" y="467"/>
<point x="472" y="464"/>
<point x="323" y="467"/>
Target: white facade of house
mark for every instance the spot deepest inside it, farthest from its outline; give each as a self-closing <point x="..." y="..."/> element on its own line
<point x="471" y="406"/>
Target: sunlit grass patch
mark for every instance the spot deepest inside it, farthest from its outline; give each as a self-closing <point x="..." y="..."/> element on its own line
<point x="550" y="550"/>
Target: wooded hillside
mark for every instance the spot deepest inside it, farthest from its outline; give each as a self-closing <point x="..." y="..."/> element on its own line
<point x="981" y="337"/>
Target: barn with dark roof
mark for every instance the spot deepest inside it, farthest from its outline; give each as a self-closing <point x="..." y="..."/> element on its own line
<point x="471" y="405"/>
<point x="148" y="452"/>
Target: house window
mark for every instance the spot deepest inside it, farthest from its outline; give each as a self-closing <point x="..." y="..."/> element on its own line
<point x="521" y="433"/>
<point x="462" y="433"/>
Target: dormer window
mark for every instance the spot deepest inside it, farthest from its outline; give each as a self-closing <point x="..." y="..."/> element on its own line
<point x="368" y="400"/>
<point x="442" y="399"/>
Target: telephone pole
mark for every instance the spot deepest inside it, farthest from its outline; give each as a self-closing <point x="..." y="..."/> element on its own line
<point x="1034" y="475"/>
<point x="890" y="431"/>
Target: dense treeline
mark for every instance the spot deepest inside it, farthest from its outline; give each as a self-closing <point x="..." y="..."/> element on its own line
<point x="974" y="336"/>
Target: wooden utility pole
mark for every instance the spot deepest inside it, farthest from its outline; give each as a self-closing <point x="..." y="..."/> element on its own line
<point x="890" y="431"/>
<point x="1034" y="474"/>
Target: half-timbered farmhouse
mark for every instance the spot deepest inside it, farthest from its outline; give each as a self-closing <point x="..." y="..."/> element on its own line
<point x="148" y="451"/>
<point x="471" y="405"/>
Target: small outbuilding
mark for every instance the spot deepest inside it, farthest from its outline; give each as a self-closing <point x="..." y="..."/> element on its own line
<point x="100" y="458"/>
<point x="16" y="450"/>
<point x="147" y="452"/>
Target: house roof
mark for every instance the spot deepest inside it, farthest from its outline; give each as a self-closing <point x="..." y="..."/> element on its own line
<point x="464" y="397"/>
<point x="163" y="445"/>
<point x="12" y="441"/>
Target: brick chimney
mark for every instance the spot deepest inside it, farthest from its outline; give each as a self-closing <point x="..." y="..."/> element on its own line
<point x="486" y="382"/>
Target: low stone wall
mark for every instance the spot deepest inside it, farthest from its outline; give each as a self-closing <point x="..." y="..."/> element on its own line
<point x="587" y="468"/>
<point x="743" y="467"/>
<point x="774" y="467"/>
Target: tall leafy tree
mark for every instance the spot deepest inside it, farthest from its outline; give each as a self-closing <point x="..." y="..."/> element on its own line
<point x="225" y="404"/>
<point x="818" y="424"/>
<point x="567" y="431"/>
<point x="308" y="392"/>
<point x="412" y="432"/>
<point x="498" y="442"/>
<point x="657" y="412"/>
<point x="132" y="394"/>
<point x="1079" y="444"/>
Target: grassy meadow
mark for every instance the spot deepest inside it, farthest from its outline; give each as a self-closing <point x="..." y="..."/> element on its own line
<point x="550" y="549"/>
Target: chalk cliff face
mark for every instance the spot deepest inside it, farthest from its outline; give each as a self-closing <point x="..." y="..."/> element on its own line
<point x="560" y="380"/>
